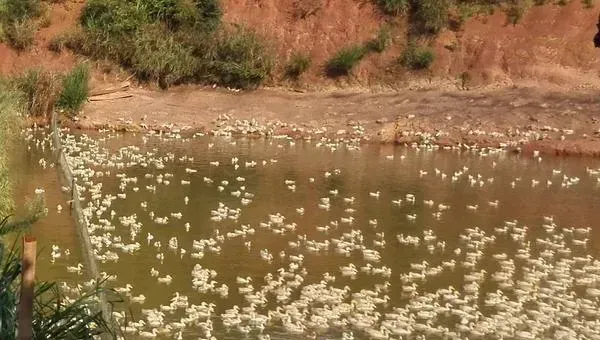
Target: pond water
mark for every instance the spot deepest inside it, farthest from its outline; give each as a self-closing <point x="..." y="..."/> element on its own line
<point x="232" y="238"/>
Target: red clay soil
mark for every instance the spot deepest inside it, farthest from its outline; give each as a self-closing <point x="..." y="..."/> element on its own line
<point x="550" y="44"/>
<point x="63" y="17"/>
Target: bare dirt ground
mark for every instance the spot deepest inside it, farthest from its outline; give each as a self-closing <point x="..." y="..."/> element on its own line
<point x="527" y="118"/>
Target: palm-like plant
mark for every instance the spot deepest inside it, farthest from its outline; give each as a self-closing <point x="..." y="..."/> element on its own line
<point x="54" y="315"/>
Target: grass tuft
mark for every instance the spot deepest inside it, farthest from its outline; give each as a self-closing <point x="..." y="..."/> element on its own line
<point x="416" y="58"/>
<point x="297" y="65"/>
<point x="239" y="58"/>
<point x="21" y="33"/>
<point x="344" y="61"/>
<point x="381" y="41"/>
<point x="39" y="90"/>
<point x="394" y="7"/>
<point x="75" y="89"/>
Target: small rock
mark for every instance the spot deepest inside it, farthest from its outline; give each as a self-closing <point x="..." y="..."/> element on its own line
<point x="381" y="120"/>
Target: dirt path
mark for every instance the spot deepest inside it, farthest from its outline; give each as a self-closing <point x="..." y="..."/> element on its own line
<point x="528" y="118"/>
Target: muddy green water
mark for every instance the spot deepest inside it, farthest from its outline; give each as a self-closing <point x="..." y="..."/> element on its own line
<point x="543" y="287"/>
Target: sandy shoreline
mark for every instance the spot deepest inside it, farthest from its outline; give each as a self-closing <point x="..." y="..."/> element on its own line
<point x="526" y="119"/>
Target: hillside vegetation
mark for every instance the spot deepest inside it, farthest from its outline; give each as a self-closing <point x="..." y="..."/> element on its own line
<point x="171" y="41"/>
<point x="196" y="41"/>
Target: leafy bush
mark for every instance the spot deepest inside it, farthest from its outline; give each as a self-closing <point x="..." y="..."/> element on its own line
<point x="416" y="58"/>
<point x="297" y="65"/>
<point x="39" y="90"/>
<point x="75" y="89"/>
<point x="381" y="41"/>
<point x="394" y="7"/>
<point x="431" y="15"/>
<point x="344" y="60"/>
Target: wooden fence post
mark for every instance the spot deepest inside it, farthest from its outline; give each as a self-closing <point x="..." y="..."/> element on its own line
<point x="27" y="285"/>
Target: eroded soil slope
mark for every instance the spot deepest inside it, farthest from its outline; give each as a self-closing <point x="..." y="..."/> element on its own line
<point x="550" y="44"/>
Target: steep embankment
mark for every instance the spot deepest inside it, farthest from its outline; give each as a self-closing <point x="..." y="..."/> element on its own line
<point x="63" y="17"/>
<point x="551" y="44"/>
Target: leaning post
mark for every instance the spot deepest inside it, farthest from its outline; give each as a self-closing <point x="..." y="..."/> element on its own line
<point x="25" y="330"/>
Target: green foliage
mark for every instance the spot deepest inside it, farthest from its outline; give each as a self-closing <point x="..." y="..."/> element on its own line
<point x="239" y="58"/>
<point x="297" y="65"/>
<point x="39" y="90"/>
<point x="344" y="61"/>
<point x="57" y="43"/>
<point x="20" y="33"/>
<point x="158" y="55"/>
<point x="53" y="316"/>
<point x="172" y="41"/>
<point x="381" y="41"/>
<point x="19" y="10"/>
<point x="516" y="10"/>
<point x="75" y="89"/>
<point x="431" y="15"/>
<point x="394" y="7"/>
<point x="17" y="24"/>
<point x="10" y="106"/>
<point x="416" y="58"/>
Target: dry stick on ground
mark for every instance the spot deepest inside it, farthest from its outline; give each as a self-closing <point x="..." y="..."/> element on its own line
<point x="27" y="282"/>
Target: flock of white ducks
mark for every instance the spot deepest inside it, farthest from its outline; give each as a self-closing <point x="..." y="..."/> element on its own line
<point x="508" y="281"/>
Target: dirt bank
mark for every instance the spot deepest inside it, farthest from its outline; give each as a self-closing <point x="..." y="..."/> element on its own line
<point x="528" y="118"/>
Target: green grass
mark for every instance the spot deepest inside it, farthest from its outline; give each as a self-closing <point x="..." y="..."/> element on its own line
<point x="18" y="22"/>
<point x="344" y="61"/>
<point x="431" y="16"/>
<point x="74" y="89"/>
<point x="297" y="65"/>
<point x="394" y="7"/>
<point x="39" y="91"/>
<point x="172" y="41"/>
<point x="238" y="58"/>
<point x="20" y="34"/>
<point x="10" y="108"/>
<point x="416" y="57"/>
<point x="381" y="41"/>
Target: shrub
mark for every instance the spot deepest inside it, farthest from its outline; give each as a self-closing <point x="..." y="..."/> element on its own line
<point x="516" y="11"/>
<point x="416" y="58"/>
<point x="431" y="15"/>
<point x="40" y="91"/>
<point x="158" y="56"/>
<point x="381" y="41"/>
<point x="588" y="3"/>
<point x="394" y="7"/>
<point x="344" y="60"/>
<point x="20" y="34"/>
<point x="75" y="89"/>
<point x="239" y="58"/>
<point x="297" y="65"/>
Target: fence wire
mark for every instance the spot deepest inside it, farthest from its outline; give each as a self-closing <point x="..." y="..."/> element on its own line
<point x="81" y="224"/>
